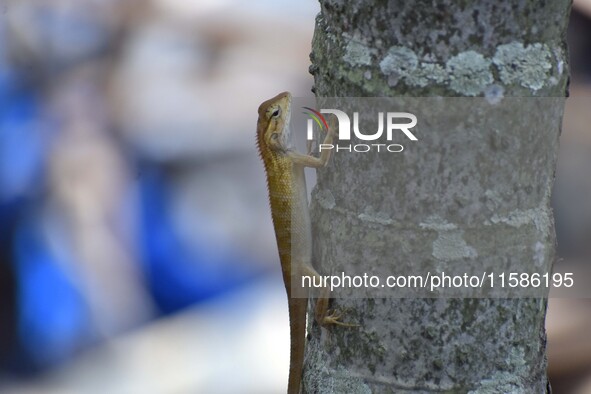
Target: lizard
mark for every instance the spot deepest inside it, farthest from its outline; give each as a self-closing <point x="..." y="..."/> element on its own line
<point x="288" y="198"/>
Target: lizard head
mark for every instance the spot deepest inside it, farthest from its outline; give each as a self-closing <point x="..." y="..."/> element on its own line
<point x="273" y="123"/>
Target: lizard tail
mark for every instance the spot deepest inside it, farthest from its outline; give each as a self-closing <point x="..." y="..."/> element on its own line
<point x="297" y="322"/>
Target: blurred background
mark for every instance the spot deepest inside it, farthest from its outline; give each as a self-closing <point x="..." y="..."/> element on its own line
<point x="137" y="253"/>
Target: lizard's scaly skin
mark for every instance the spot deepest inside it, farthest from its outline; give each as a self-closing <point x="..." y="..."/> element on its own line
<point x="289" y="209"/>
<point x="291" y="220"/>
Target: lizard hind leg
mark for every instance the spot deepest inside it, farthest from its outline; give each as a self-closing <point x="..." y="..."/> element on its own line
<point x="322" y="314"/>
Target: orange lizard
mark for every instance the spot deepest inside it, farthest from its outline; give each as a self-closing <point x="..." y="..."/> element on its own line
<point x="291" y="219"/>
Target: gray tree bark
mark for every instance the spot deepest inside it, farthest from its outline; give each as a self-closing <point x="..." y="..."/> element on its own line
<point x="439" y="48"/>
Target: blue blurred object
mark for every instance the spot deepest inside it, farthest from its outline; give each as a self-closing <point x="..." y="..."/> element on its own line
<point x="53" y="318"/>
<point x="50" y="317"/>
<point x="21" y="143"/>
<point x="45" y="309"/>
<point x="176" y="276"/>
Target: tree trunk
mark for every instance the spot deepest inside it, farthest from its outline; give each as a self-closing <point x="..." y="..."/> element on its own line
<point x="483" y="48"/>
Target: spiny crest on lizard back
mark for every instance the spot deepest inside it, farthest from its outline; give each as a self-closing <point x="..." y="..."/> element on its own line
<point x="273" y="124"/>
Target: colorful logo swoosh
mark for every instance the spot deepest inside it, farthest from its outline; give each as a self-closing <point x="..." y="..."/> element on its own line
<point x="317" y="116"/>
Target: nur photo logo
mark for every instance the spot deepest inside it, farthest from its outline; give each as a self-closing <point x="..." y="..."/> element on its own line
<point x="393" y="126"/>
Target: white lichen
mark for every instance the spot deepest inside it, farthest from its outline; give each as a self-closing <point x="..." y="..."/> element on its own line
<point x="427" y="73"/>
<point x="399" y="61"/>
<point x="378" y="218"/>
<point x="500" y="382"/>
<point x="450" y="244"/>
<point x="539" y="253"/>
<point x="469" y="73"/>
<point x="326" y="199"/>
<point x="358" y="54"/>
<point x="560" y="67"/>
<point x="437" y="223"/>
<point x="517" y="218"/>
<point x="527" y="66"/>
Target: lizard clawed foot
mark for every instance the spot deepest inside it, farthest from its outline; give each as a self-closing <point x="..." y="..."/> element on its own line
<point x="334" y="317"/>
<point x="309" y="147"/>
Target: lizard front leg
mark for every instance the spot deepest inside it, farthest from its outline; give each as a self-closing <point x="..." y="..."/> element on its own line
<point x="308" y="160"/>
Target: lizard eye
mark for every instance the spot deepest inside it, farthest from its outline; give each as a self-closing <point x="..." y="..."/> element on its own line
<point x="276" y="113"/>
<point x="274" y="136"/>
